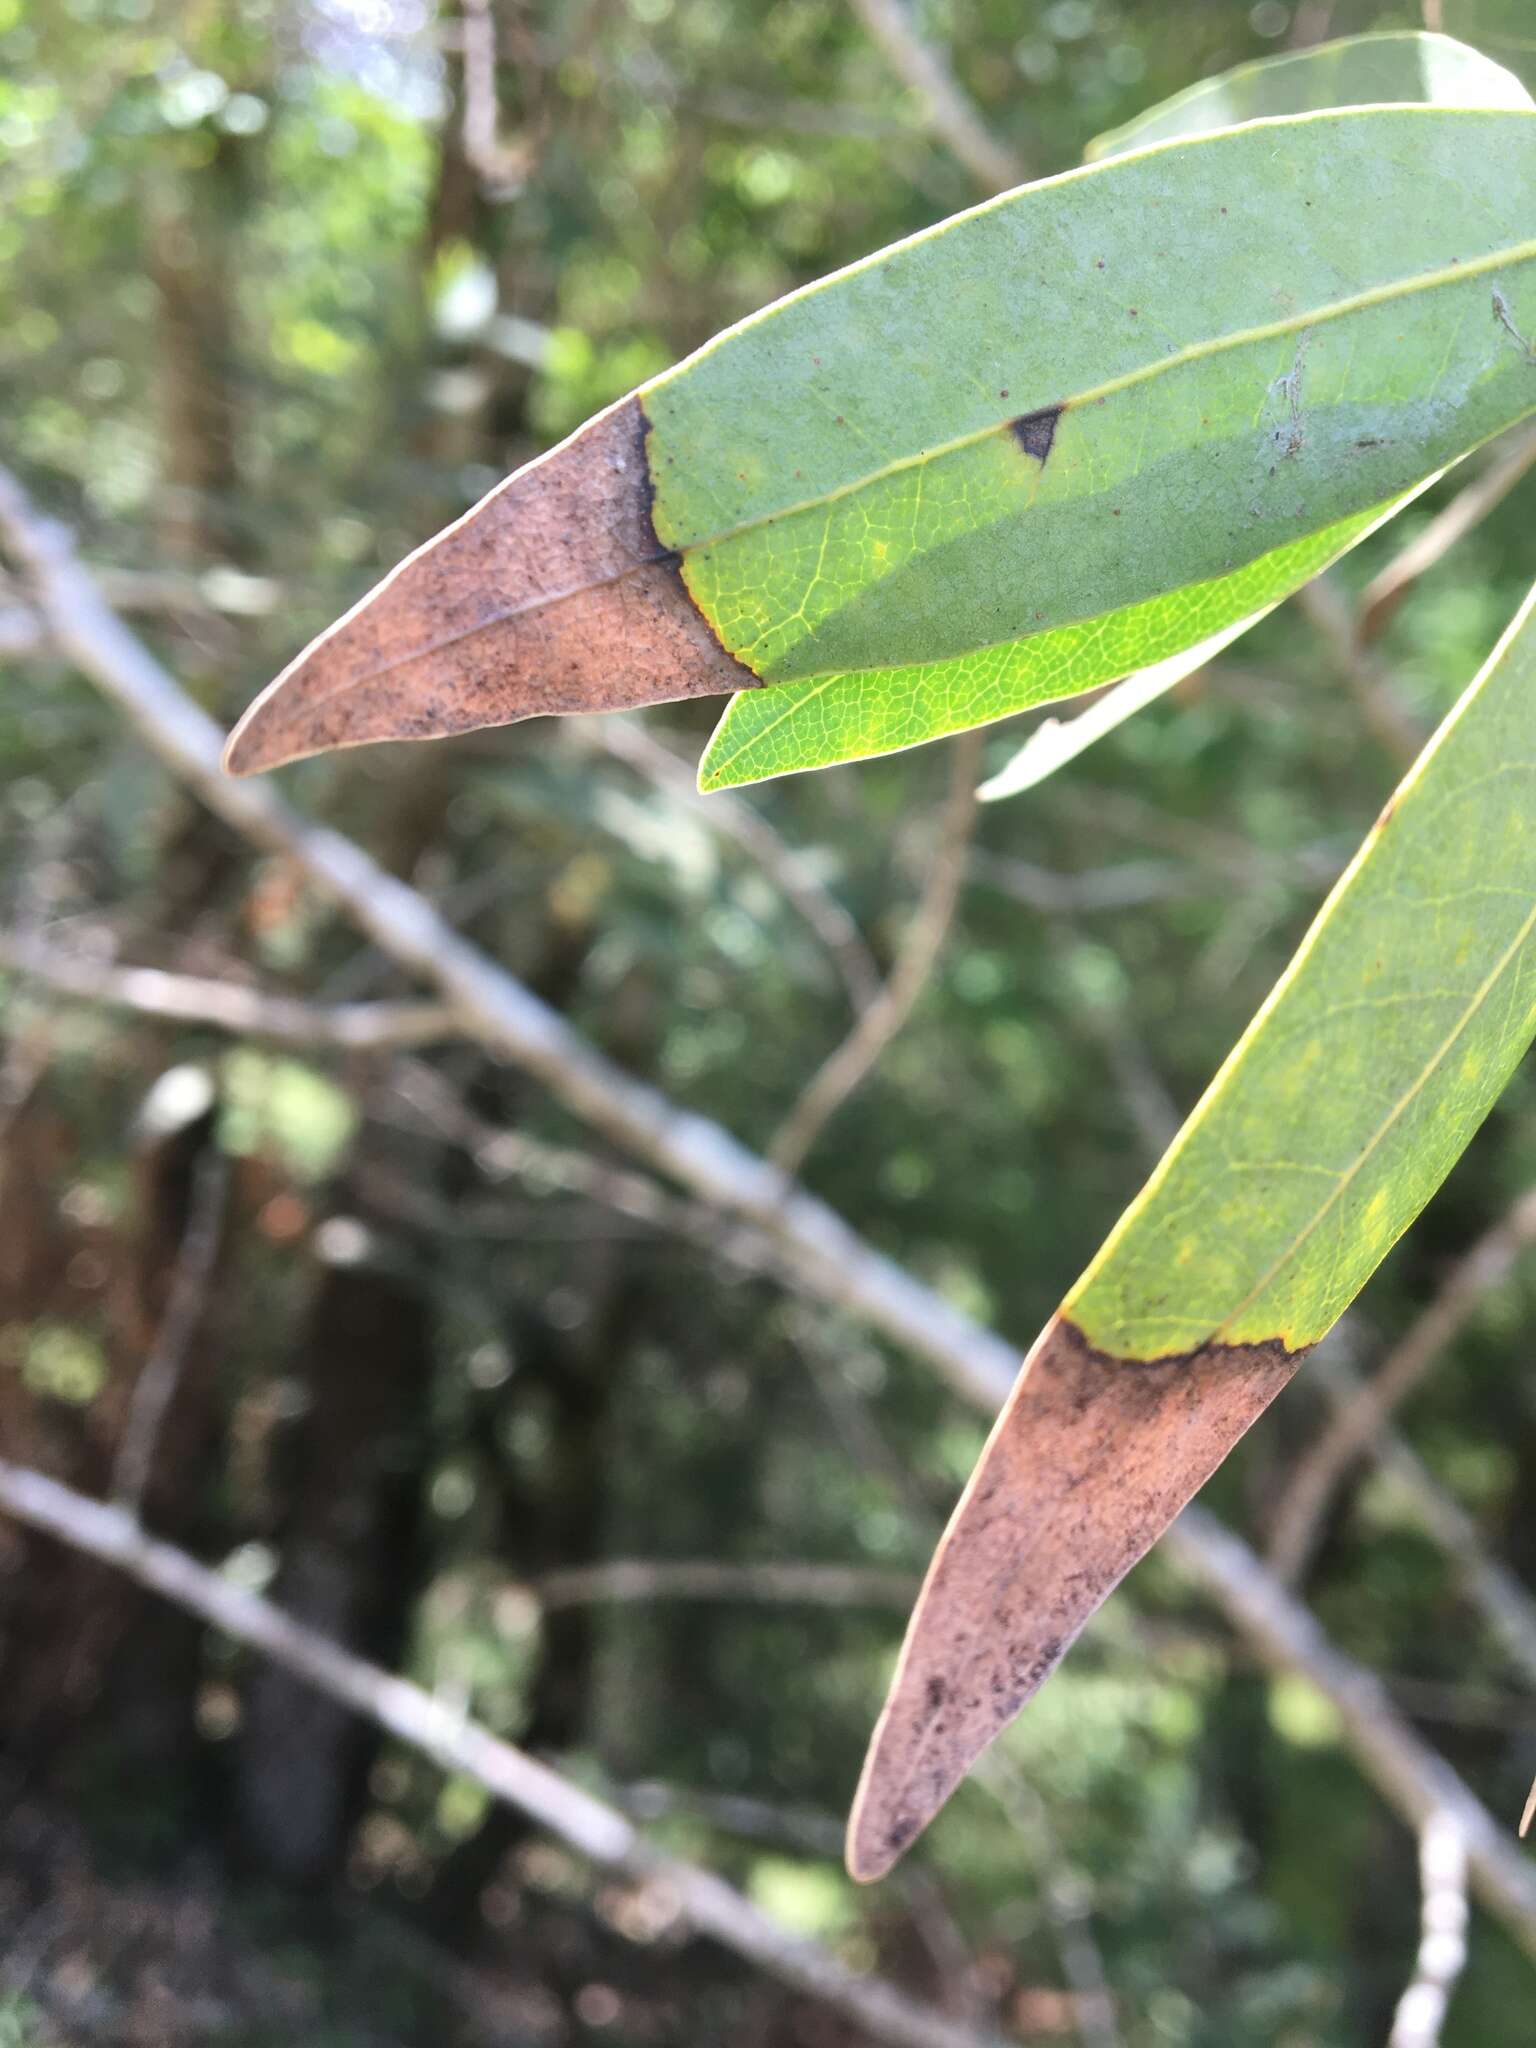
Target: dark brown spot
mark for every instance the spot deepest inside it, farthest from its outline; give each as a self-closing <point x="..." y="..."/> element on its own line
<point x="1035" y="432"/>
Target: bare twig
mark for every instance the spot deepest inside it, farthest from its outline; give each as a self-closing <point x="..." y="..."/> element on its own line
<point x="735" y="819"/>
<point x="1369" y="682"/>
<point x="592" y="1828"/>
<point x="1442" y="1950"/>
<point x="1410" y="1775"/>
<point x="1471" y="505"/>
<point x="502" y="167"/>
<point x="824" y="1258"/>
<point x="948" y="113"/>
<point x="1121" y="887"/>
<point x="827" y="1258"/>
<point x="155" y="1387"/>
<point x="1494" y="1590"/>
<point x="1299" y="1516"/>
<point x="812" y="1585"/>
<point x="227" y="1005"/>
<point x="923" y="941"/>
<point x="1065" y="1893"/>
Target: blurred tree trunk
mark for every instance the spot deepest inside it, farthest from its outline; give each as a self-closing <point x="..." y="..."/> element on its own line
<point x="78" y="1647"/>
<point x="347" y="1542"/>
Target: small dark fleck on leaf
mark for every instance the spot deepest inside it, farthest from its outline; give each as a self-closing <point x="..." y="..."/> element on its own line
<point x="1035" y="432"/>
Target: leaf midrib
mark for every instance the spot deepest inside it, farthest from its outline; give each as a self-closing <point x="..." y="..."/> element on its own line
<point x="1377" y="295"/>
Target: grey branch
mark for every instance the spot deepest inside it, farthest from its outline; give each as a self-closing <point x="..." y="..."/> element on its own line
<point x="734" y="818"/>
<point x="591" y="1827"/>
<point x="160" y="1374"/>
<point x="226" y="1005"/>
<point x="843" y="1070"/>
<point x="1312" y="1485"/>
<point x="1471" y="505"/>
<point x="1410" y="1776"/>
<point x="824" y="1258"/>
<point x="501" y="167"/>
<point x="1369" y="681"/>
<point x="948" y="113"/>
<point x="1442" y="1952"/>
<point x="789" y="1584"/>
<point x="1492" y="1588"/>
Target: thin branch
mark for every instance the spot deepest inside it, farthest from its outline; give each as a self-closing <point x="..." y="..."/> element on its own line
<point x="155" y="1387"/>
<point x="1442" y="1950"/>
<point x="1315" y="1479"/>
<point x="502" y="167"/>
<point x="227" y="1005"/>
<point x="794" y="1584"/>
<point x="1471" y="505"/>
<point x="1065" y="1893"/>
<point x="1369" y="681"/>
<point x="1409" y="1775"/>
<point x="842" y="1072"/>
<point x="735" y="819"/>
<point x="823" y="1256"/>
<point x="1491" y="1587"/>
<point x="588" y="1825"/>
<point x="948" y="113"/>
<point x="1121" y="887"/>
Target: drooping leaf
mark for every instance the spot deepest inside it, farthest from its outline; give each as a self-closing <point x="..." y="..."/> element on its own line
<point x="968" y="474"/>
<point x="838" y="718"/>
<point x="1340" y="1111"/>
<point x="1394" y="68"/>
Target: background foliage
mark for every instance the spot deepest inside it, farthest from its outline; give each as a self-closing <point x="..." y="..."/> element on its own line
<point x="264" y="325"/>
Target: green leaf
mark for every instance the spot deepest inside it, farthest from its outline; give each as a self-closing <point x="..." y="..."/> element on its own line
<point x="1400" y="67"/>
<point x="1379" y="1052"/>
<point x="1337" y="1116"/>
<point x="1159" y="482"/>
<point x="1057" y="741"/>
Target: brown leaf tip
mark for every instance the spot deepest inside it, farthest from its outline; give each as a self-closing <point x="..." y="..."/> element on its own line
<point x="552" y="595"/>
<point x="1090" y="1460"/>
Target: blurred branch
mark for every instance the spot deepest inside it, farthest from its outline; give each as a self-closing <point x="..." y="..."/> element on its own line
<point x="812" y="1585"/>
<point x="155" y="1387"/>
<point x="735" y="819"/>
<point x="1410" y="1776"/>
<point x="1471" y="505"/>
<point x="948" y="113"/>
<point x="594" y="1829"/>
<point x="1496" y="1592"/>
<point x="1369" y="681"/>
<point x="486" y="1002"/>
<point x="1316" y="1477"/>
<point x="1056" y="895"/>
<point x="502" y="167"/>
<point x="823" y="1255"/>
<point x="1066" y="1894"/>
<point x="842" y="1072"/>
<point x="1442" y="1950"/>
<point x="227" y="1005"/>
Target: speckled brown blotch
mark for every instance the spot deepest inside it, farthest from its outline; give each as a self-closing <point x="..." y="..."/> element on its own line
<point x="1090" y="1460"/>
<point x="552" y="595"/>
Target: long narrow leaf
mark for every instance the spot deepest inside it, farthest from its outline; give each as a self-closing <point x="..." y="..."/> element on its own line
<point x="1342" y="1108"/>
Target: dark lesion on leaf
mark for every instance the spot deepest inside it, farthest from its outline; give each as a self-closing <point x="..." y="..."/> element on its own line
<point x="1035" y="432"/>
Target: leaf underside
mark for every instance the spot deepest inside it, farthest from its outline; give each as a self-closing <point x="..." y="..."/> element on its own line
<point x="1341" y="1110"/>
